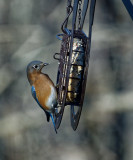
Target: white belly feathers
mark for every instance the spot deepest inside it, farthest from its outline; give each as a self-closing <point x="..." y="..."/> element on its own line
<point x="52" y="98"/>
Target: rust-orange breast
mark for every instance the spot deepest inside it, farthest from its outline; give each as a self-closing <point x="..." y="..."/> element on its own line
<point x="43" y="90"/>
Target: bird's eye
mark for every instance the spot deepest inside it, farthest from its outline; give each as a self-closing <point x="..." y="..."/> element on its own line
<point x="35" y="66"/>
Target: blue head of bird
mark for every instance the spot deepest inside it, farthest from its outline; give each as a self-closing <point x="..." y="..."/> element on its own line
<point x="33" y="69"/>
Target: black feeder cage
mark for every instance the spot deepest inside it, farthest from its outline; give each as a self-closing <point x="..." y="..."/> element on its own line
<point x="73" y="60"/>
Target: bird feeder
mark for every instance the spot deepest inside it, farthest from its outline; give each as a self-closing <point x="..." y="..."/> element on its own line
<point x="73" y="59"/>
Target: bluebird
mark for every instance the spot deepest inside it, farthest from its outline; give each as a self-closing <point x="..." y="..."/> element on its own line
<point x="42" y="89"/>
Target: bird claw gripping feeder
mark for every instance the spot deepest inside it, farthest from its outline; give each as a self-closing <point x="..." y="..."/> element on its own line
<point x="73" y="60"/>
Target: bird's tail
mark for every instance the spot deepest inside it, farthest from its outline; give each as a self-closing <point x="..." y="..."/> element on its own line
<point x="53" y="122"/>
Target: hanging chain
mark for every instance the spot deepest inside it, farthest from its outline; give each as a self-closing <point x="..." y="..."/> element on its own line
<point x="69" y="6"/>
<point x="79" y="14"/>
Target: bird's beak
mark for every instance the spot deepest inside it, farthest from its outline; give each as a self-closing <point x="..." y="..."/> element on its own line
<point x="43" y="64"/>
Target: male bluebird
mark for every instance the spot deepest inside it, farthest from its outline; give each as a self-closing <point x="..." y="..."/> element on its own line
<point x="42" y="88"/>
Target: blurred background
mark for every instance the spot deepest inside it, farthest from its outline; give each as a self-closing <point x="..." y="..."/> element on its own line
<point x="28" y="31"/>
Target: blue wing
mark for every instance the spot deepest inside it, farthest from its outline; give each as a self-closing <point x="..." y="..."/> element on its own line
<point x="48" y="115"/>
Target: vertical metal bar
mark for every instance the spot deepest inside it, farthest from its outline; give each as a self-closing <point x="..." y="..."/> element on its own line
<point x="75" y="117"/>
<point x="91" y="18"/>
<point x="129" y="7"/>
<point x="75" y="6"/>
<point x="68" y="11"/>
<point x="84" y="11"/>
